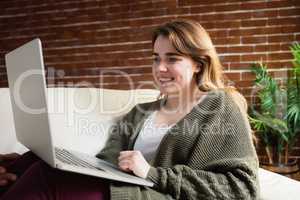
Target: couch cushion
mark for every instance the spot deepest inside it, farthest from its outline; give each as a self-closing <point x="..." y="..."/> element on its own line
<point x="7" y="129"/>
<point x="277" y="187"/>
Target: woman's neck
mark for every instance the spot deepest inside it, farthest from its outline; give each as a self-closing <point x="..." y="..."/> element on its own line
<point x="183" y="101"/>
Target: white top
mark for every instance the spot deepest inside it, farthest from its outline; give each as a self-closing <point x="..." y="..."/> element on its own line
<point x="150" y="137"/>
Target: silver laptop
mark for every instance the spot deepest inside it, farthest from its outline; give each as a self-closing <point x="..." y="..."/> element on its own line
<point x="26" y="76"/>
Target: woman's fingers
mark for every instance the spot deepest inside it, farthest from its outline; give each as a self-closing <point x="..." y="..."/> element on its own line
<point x="11" y="156"/>
<point x="124" y="156"/>
<point x="6" y="178"/>
<point x="2" y="170"/>
<point x="127" y="157"/>
<point x="133" y="161"/>
<point x="125" y="164"/>
<point x="3" y="182"/>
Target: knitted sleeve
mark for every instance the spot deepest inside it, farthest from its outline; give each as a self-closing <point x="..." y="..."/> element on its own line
<point x="118" y="139"/>
<point x="223" y="163"/>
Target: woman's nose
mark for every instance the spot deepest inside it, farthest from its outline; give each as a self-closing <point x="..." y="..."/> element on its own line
<point x="162" y="67"/>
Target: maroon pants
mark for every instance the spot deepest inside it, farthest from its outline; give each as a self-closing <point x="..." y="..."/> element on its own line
<point x="38" y="181"/>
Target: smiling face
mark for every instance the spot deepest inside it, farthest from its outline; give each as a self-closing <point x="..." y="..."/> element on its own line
<point x="173" y="72"/>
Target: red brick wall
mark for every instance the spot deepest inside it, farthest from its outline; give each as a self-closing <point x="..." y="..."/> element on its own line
<point x="83" y="40"/>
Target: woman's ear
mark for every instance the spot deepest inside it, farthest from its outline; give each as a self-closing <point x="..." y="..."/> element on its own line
<point x="198" y="68"/>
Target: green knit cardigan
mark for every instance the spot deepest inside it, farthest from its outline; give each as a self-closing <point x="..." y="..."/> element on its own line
<point x="209" y="154"/>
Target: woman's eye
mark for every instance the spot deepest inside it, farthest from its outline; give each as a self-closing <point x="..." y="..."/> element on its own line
<point x="172" y="60"/>
<point x="156" y="60"/>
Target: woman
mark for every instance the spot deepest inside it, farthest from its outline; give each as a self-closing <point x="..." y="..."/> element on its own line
<point x="193" y="143"/>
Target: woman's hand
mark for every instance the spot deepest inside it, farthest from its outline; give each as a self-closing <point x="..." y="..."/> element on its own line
<point x="6" y="177"/>
<point x="134" y="161"/>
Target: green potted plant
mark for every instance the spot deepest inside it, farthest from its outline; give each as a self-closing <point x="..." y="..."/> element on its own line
<point x="277" y="118"/>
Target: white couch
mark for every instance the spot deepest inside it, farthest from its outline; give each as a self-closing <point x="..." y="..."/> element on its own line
<point x="82" y="116"/>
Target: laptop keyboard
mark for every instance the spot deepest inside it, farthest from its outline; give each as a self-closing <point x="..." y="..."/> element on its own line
<point x="68" y="158"/>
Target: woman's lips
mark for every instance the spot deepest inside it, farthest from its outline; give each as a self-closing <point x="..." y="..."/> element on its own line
<point x="165" y="81"/>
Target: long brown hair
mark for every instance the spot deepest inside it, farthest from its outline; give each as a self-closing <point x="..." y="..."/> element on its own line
<point x="190" y="39"/>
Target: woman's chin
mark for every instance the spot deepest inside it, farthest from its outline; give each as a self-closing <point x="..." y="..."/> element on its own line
<point x="169" y="91"/>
